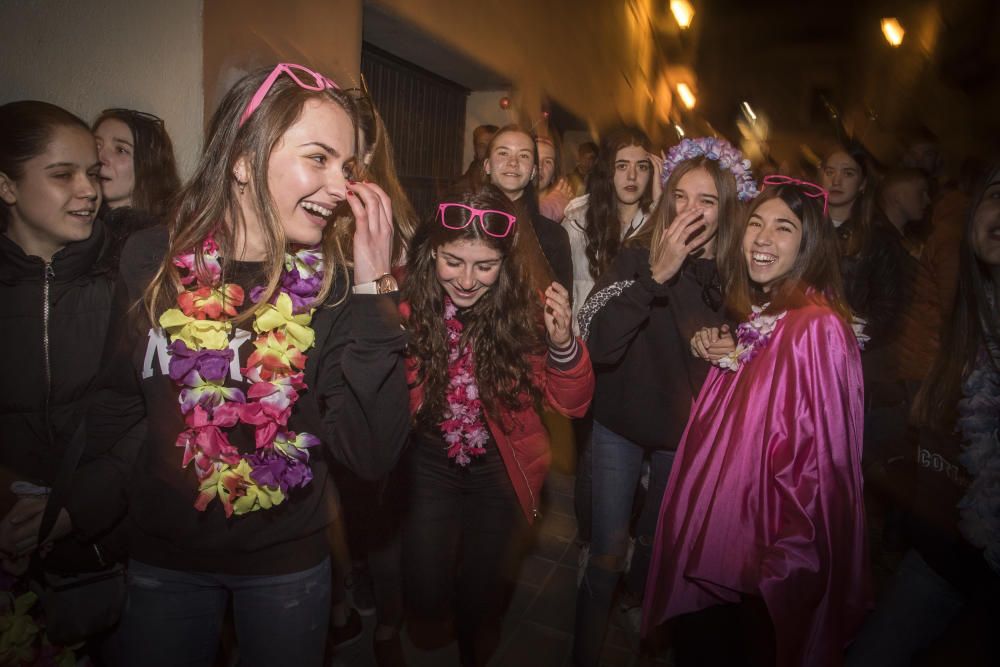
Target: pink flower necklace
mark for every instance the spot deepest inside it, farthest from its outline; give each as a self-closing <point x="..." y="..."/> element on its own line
<point x="200" y="360"/>
<point x="463" y="427"/>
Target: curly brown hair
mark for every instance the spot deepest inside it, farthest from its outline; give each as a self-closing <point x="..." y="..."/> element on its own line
<point x="504" y="327"/>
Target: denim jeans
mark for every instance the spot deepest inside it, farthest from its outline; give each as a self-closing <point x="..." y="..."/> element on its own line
<point x="174" y="618"/>
<point x="616" y="465"/>
<point x="582" y="486"/>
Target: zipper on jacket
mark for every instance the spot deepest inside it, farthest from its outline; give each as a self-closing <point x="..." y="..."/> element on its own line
<point x="49" y="275"/>
<point x="534" y="505"/>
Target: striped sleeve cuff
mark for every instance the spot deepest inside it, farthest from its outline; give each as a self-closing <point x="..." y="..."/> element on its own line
<point x="564" y="358"/>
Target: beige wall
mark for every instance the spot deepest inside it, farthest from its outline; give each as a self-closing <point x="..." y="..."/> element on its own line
<point x="88" y="56"/>
<point x="240" y="35"/>
<point x="176" y="59"/>
<point x="483" y="108"/>
<point x="598" y="61"/>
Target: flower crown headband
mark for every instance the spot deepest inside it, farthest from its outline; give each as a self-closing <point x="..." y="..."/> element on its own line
<point x="720" y="150"/>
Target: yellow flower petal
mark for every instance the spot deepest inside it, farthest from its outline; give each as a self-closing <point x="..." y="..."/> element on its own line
<point x="278" y="316"/>
<point x="196" y="334"/>
<point x="173" y="318"/>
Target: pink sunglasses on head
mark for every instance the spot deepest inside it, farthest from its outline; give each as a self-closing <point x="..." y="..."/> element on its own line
<point x="320" y="82"/>
<point x="805" y="187"/>
<point x="459" y="216"/>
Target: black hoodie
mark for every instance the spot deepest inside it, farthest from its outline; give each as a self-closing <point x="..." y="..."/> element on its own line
<point x="639" y="334"/>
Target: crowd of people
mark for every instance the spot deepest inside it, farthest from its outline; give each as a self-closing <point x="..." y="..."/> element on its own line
<point x="242" y="409"/>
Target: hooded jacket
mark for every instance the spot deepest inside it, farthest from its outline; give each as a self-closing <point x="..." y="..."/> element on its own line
<point x="53" y="321"/>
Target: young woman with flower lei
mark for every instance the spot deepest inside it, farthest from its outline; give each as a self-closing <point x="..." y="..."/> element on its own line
<point x="660" y="287"/>
<point x="761" y="535"/>
<point x="257" y="361"/>
<point x="486" y="352"/>
<point x="948" y="582"/>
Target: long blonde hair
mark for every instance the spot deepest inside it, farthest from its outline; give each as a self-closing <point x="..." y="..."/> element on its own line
<point x="207" y="202"/>
<point x="379" y="166"/>
<point x="650" y="235"/>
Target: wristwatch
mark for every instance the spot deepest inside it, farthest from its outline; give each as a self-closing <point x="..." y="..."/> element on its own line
<point x="381" y="285"/>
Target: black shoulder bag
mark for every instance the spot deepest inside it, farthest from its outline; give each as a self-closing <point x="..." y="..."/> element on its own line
<point x="87" y="602"/>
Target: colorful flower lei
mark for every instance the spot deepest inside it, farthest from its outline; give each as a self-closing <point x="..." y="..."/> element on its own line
<point x="200" y="359"/>
<point x="462" y="427"/>
<point x="751" y="337"/>
<point x="728" y="157"/>
<point x="22" y="630"/>
<point x="979" y="421"/>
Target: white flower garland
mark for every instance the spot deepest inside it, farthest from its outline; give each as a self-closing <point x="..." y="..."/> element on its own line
<point x="751" y="337"/>
<point x="979" y="419"/>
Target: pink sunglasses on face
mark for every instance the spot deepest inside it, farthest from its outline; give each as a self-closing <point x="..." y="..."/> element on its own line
<point x="320" y="82"/>
<point x="808" y="189"/>
<point x="459" y="216"/>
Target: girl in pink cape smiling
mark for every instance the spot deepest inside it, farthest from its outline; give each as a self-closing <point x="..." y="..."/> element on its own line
<point x="762" y="526"/>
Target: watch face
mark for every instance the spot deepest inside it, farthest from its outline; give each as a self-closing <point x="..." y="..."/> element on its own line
<point x="386" y="284"/>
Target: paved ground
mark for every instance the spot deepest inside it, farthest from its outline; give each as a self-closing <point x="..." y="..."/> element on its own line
<point x="538" y="625"/>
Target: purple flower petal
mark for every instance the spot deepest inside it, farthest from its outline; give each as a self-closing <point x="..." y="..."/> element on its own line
<point x="271" y="469"/>
<point x="212" y="365"/>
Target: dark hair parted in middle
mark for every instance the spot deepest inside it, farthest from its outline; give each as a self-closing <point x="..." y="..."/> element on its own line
<point x="855" y="232"/>
<point x="816" y="266"/>
<point x="504" y="327"/>
<point x="974" y="324"/>
<point x="156" y="179"/>
<point x="603" y="228"/>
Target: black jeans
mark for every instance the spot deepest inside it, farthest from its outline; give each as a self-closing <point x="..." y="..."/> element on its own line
<point x="582" y="487"/>
<point x="461" y="542"/>
<point x="372" y="514"/>
<point x="725" y="635"/>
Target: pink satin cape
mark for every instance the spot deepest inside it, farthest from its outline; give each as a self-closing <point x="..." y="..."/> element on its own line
<point x="765" y="496"/>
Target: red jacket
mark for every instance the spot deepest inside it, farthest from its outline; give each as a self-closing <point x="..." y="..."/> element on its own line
<point x="524" y="442"/>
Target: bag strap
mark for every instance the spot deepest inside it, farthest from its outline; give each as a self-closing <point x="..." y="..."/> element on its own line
<point x="64" y="479"/>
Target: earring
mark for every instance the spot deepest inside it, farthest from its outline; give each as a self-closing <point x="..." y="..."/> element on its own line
<point x="242" y="187"/>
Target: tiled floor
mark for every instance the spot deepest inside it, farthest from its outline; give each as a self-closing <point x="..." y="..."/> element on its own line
<point x="538" y="625"/>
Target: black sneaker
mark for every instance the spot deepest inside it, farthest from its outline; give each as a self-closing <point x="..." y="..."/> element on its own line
<point x="340" y="636"/>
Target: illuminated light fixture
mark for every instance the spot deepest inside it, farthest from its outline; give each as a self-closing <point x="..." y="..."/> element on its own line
<point x="683" y="12"/>
<point x="751" y="116"/>
<point x="687" y="97"/>
<point x="893" y="31"/>
<point x="679" y="130"/>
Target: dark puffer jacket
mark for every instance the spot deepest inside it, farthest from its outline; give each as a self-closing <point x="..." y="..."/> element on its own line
<point x="53" y="321"/>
